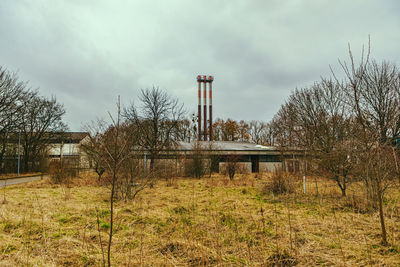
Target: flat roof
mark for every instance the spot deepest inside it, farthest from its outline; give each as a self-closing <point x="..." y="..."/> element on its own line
<point x="225" y="146"/>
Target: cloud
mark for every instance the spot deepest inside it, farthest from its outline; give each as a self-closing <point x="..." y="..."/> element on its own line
<point x="88" y="52"/>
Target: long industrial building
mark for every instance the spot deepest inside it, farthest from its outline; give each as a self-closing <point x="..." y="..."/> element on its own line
<point x="249" y="157"/>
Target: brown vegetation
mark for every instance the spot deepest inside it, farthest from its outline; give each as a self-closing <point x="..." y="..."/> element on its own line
<point x="211" y="221"/>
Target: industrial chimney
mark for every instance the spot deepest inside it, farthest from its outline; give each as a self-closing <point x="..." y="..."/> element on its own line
<point x="206" y="133"/>
<point x="210" y="80"/>
<point x="199" y="81"/>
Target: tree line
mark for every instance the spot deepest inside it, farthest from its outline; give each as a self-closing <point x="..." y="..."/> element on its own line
<point x="159" y="120"/>
<point x="27" y="118"/>
<point x="253" y="131"/>
<point x="348" y="128"/>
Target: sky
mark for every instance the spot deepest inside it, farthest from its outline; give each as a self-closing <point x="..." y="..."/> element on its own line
<point x="87" y="52"/>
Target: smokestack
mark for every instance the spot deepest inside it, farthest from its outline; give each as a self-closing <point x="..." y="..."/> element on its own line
<point x="210" y="80"/>
<point x="207" y="130"/>
<point x="199" y="109"/>
<point x="205" y="107"/>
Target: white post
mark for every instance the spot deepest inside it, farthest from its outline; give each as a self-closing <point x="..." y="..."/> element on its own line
<point x="304" y="184"/>
<point x="144" y="163"/>
<point x="19" y="152"/>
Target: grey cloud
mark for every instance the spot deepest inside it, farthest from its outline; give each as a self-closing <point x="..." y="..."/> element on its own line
<point x="88" y="52"/>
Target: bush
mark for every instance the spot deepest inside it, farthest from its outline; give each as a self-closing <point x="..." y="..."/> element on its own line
<point x="195" y="167"/>
<point x="357" y="204"/>
<point x="61" y="172"/>
<point x="233" y="166"/>
<point x="280" y="183"/>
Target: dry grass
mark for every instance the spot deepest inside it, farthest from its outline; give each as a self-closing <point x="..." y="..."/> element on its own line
<point x="14" y="175"/>
<point x="207" y="222"/>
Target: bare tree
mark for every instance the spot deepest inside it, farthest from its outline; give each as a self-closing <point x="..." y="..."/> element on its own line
<point x="93" y="147"/>
<point x="156" y="120"/>
<point x="256" y="129"/>
<point x="261" y="133"/>
<point x="284" y="125"/>
<point x="38" y="119"/>
<point x="379" y="100"/>
<point x="269" y="135"/>
<point x="186" y="130"/>
<point x="353" y="85"/>
<point x="110" y="143"/>
<point x="40" y="122"/>
<point x="217" y="129"/>
<point x="373" y="94"/>
<point x="114" y="146"/>
<point x="11" y="93"/>
<point x="326" y="128"/>
<point x="377" y="168"/>
<point x="229" y="130"/>
<point x="318" y="120"/>
<point x="348" y="127"/>
<point x="243" y="131"/>
<point x="257" y="132"/>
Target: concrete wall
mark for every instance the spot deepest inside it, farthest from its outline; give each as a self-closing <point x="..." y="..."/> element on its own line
<point x="64" y="149"/>
<point x="164" y="166"/>
<point x="241" y="167"/>
<point x="84" y="161"/>
<point x="270" y="166"/>
<point x="174" y="166"/>
<point x="178" y="166"/>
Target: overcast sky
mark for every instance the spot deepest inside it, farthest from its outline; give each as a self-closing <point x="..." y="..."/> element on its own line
<point x="87" y="52"/>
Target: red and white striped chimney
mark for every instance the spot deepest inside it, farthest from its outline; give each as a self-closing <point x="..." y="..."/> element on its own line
<point x="205" y="108"/>
<point x="199" y="109"/>
<point x="210" y="80"/>
<point x="206" y="132"/>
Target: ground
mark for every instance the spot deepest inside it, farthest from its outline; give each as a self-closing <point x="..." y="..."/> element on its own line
<point x="189" y="222"/>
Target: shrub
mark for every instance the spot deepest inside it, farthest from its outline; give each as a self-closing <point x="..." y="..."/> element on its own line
<point x="195" y="167"/>
<point x="61" y="172"/>
<point x="280" y="183"/>
<point x="233" y="166"/>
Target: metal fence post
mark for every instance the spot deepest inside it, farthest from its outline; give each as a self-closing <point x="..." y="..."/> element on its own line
<point x="144" y="163"/>
<point x="19" y="152"/>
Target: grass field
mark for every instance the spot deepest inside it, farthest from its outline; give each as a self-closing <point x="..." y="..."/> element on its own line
<point x="207" y="222"/>
<point x="14" y="175"/>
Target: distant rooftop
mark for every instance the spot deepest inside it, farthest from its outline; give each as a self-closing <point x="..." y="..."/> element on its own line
<point x="69" y="137"/>
<point x="226" y="146"/>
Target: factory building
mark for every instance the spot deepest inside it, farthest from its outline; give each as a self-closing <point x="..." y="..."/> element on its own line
<point x="250" y="157"/>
